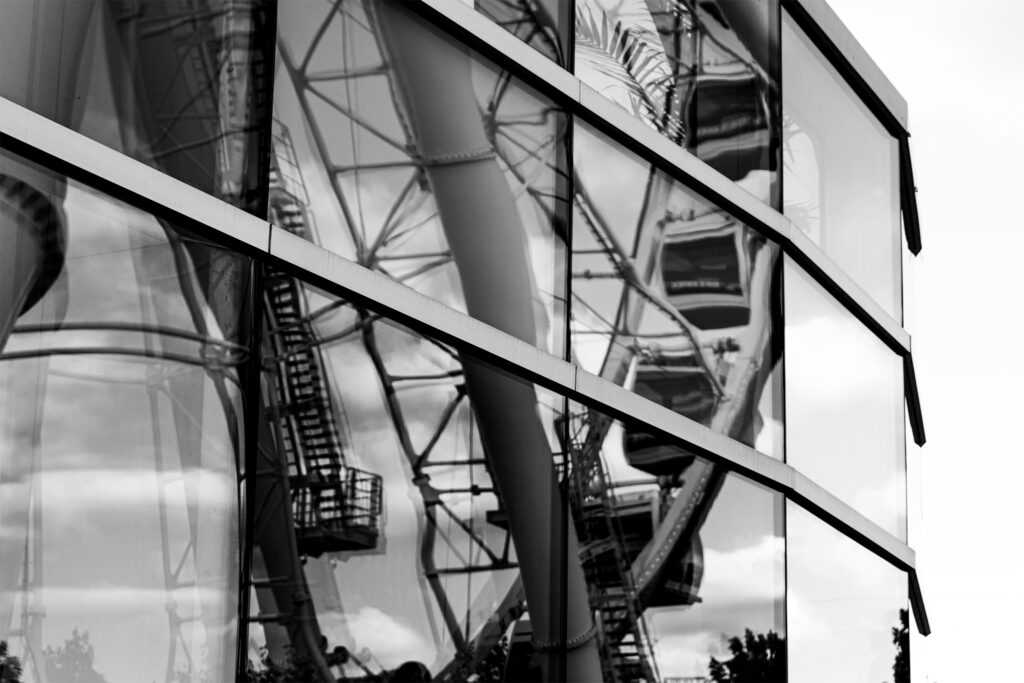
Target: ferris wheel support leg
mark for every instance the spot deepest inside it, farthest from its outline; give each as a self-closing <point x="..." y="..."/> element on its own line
<point x="487" y="240"/>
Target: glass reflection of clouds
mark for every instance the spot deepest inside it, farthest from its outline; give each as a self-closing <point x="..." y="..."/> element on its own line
<point x="842" y="605"/>
<point x="120" y="423"/>
<point x="841" y="170"/>
<point x="844" y="428"/>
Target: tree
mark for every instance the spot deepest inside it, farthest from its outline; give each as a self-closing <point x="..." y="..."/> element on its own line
<point x="72" y="661"/>
<point x="294" y="670"/>
<point x="760" y="658"/>
<point x="901" y="639"/>
<point x="10" y="667"/>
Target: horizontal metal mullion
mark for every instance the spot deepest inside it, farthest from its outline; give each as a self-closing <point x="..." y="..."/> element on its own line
<point x="222" y="223"/>
<point x="612" y="120"/>
<point x="59" y="149"/>
<point x="565" y="89"/>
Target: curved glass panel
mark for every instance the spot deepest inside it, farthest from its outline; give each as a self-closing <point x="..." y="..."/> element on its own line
<point x="179" y="86"/>
<point x="675" y="300"/>
<point x="400" y="150"/>
<point x="120" y="432"/>
<point x="847" y="613"/>
<point x="841" y="171"/>
<point x="844" y="405"/>
<point x="704" y="74"/>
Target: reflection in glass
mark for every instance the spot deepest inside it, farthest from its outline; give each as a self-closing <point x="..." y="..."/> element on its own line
<point x="120" y="433"/>
<point x="844" y="404"/>
<point x="675" y="300"/>
<point x="413" y="567"/>
<point x="422" y="162"/>
<point x="704" y="74"/>
<point x="843" y="604"/>
<point x="841" y="171"/>
<point x="541" y="24"/>
<point x="468" y="532"/>
<point x="690" y="561"/>
<point x="179" y="86"/>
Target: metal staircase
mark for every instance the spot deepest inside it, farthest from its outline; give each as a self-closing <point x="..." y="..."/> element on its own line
<point x="335" y="507"/>
<point x="607" y="552"/>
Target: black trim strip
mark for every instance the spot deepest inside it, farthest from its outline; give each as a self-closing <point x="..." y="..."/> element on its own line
<point x="913" y="400"/>
<point x="853" y="78"/>
<point x="841" y="64"/>
<point x="908" y="197"/>
<point x="917" y="604"/>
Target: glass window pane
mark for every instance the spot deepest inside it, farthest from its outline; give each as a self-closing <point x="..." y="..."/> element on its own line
<point x="841" y="171"/>
<point x="403" y="152"/>
<point x="179" y="86"/>
<point x="542" y="24"/>
<point x="690" y="600"/>
<point x="844" y="404"/>
<point x="705" y="75"/>
<point x="376" y="498"/>
<point x="465" y="462"/>
<point x="673" y="299"/>
<point x="845" y="607"/>
<point x="121" y="422"/>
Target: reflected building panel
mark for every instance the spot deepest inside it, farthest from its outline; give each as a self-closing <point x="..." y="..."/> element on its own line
<point x="122" y="422"/>
<point x="704" y="74"/>
<point x="675" y="300"/>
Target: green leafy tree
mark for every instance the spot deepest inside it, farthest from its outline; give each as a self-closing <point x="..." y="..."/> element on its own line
<point x="755" y="659"/>
<point x="10" y="667"/>
<point x="901" y="639"/>
<point x="72" y="662"/>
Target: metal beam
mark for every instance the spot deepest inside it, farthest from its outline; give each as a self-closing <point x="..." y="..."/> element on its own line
<point x="131" y="181"/>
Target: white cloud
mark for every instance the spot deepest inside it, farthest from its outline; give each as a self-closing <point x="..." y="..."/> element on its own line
<point x="389" y="639"/>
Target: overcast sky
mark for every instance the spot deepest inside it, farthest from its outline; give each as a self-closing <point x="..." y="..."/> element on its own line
<point x="958" y="65"/>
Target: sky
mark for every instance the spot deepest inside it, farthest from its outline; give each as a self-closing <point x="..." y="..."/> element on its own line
<point x="957" y="64"/>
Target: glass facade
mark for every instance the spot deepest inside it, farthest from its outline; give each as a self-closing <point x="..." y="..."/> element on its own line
<point x="846" y="608"/>
<point x="122" y="428"/>
<point x="464" y="202"/>
<point x="844" y="405"/>
<point x="703" y="74"/>
<point x="841" y="171"/>
<point x="674" y="299"/>
<point x="183" y="87"/>
<point x="218" y="463"/>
